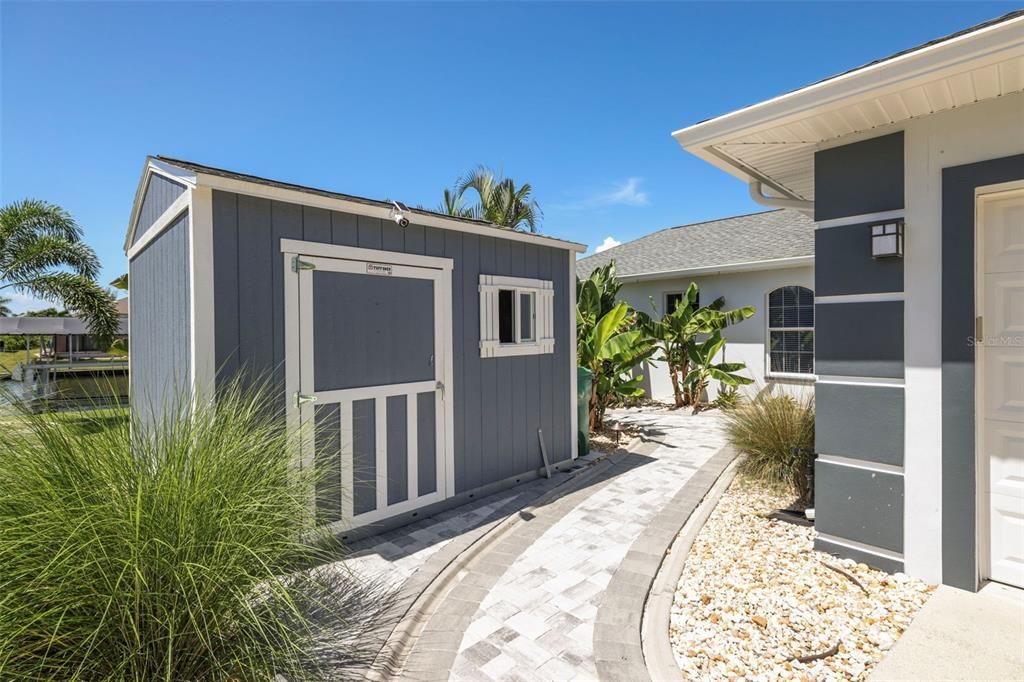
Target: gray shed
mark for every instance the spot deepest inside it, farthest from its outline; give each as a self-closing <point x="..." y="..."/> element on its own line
<point x="430" y="351"/>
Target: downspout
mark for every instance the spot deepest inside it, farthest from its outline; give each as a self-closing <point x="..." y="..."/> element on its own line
<point x="757" y="194"/>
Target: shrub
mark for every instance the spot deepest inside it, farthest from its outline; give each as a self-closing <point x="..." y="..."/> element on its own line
<point x="776" y="432"/>
<point x="185" y="556"/>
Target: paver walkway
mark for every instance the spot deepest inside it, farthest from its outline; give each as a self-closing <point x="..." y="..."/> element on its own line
<point x="526" y="609"/>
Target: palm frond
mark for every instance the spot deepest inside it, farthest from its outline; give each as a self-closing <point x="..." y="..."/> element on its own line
<point x="80" y="295"/>
<point x="34" y="216"/>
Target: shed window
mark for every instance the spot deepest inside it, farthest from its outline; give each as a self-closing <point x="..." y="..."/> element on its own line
<point x="516" y="316"/>
<point x="791" y="331"/>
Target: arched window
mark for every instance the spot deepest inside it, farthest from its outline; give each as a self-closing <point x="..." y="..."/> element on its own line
<point x="791" y="331"/>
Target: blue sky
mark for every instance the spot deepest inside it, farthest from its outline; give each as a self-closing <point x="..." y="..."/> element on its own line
<point x="397" y="100"/>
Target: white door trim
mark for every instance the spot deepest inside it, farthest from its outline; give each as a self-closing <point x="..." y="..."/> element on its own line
<point x="982" y="463"/>
<point x="299" y="371"/>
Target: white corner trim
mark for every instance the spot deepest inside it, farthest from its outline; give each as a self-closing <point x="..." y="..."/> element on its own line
<point x="297" y="196"/>
<point x="879" y="217"/>
<point x="854" y="463"/>
<point x="861" y="547"/>
<point x="745" y="266"/>
<point x="861" y="298"/>
<point x="153" y="167"/>
<point x="203" y="365"/>
<point x="860" y="381"/>
<point x="573" y="386"/>
<point x="165" y="220"/>
<point x="304" y="248"/>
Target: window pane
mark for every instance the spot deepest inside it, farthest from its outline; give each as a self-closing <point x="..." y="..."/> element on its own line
<point x="506" y="316"/>
<point x="526" y="317"/>
<point x="806" y="316"/>
<point x="672" y="302"/>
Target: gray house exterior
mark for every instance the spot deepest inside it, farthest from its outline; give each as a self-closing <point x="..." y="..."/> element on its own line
<point x="432" y="353"/>
<point x="913" y="167"/>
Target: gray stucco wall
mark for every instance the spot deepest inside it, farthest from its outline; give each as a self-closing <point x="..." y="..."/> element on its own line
<point x="859" y="492"/>
<point x="160" y="194"/>
<point x="160" y="321"/>
<point x="499" y="403"/>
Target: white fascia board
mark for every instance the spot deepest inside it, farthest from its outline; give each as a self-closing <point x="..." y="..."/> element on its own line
<point x="154" y="167"/>
<point x="748" y="266"/>
<point x="988" y="45"/>
<point x="296" y="196"/>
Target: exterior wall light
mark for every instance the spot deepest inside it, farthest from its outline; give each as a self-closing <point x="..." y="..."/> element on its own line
<point x="887" y="240"/>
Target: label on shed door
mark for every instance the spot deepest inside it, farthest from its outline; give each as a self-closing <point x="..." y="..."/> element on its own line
<point x="378" y="269"/>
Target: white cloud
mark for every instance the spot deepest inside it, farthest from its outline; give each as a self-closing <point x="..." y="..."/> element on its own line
<point x="625" y="193"/>
<point x="608" y="243"/>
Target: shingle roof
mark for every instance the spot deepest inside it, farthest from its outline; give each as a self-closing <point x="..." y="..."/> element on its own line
<point x="756" y="237"/>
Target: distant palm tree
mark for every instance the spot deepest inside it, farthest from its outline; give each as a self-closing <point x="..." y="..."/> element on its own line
<point x="42" y="254"/>
<point x="499" y="200"/>
<point x="5" y="308"/>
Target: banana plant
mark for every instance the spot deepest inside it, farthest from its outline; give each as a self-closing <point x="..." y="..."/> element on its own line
<point x="675" y="334"/>
<point x="704" y="369"/>
<point x="610" y="347"/>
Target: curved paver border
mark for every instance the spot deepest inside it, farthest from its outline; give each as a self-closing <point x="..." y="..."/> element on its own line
<point x="418" y="613"/>
<point x="618" y="629"/>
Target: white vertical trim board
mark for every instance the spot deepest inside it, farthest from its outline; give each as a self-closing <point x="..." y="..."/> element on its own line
<point x="345" y="436"/>
<point x="203" y="361"/>
<point x="446" y="464"/>
<point x="573" y="379"/>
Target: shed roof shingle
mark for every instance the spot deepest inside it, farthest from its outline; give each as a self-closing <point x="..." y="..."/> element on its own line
<point x="755" y="237"/>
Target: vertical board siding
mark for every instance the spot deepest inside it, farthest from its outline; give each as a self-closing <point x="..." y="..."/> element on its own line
<point x="160" y="194"/>
<point x="500" y="403"/>
<point x="161" y="322"/>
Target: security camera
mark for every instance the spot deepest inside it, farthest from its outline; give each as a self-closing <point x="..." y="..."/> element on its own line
<point x="398" y="212"/>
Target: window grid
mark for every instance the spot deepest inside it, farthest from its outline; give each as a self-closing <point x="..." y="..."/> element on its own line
<point x="791" y="331"/>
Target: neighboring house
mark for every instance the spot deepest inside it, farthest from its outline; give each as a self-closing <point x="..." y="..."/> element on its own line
<point x="434" y="354"/>
<point x="914" y="168"/>
<point x="61" y="338"/>
<point x="765" y="260"/>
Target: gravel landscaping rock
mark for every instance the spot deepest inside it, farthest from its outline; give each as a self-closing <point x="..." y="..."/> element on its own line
<point x="754" y="597"/>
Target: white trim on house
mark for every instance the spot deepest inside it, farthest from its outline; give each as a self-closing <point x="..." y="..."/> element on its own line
<point x="859" y="381"/>
<point x="866" y="100"/>
<point x="861" y="298"/>
<point x="745" y="266"/>
<point x="166" y="219"/>
<point x="861" y="464"/>
<point x="861" y="547"/>
<point x="201" y="313"/>
<point x="879" y="217"/>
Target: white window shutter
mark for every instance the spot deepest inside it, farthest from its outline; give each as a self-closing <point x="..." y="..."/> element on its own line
<point x="546" y="320"/>
<point x="489" y="339"/>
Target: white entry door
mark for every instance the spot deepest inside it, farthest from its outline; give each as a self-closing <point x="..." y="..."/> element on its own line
<point x="1001" y="373"/>
<point x="373" y="357"/>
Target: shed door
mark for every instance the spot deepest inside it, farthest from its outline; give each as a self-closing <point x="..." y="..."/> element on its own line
<point x="1001" y="365"/>
<point x="372" y="347"/>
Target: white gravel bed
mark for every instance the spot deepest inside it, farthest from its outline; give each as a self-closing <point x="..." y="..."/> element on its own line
<point x="754" y="596"/>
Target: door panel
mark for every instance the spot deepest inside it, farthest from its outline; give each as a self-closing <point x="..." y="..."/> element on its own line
<point x="1001" y="394"/>
<point x="371" y="330"/>
<point x="373" y="344"/>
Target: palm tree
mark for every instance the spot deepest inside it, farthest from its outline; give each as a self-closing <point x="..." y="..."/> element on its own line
<point x="5" y="308"/>
<point x="42" y="254"/>
<point x="499" y="200"/>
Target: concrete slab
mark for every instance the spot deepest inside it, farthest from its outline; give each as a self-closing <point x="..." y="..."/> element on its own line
<point x="960" y="635"/>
